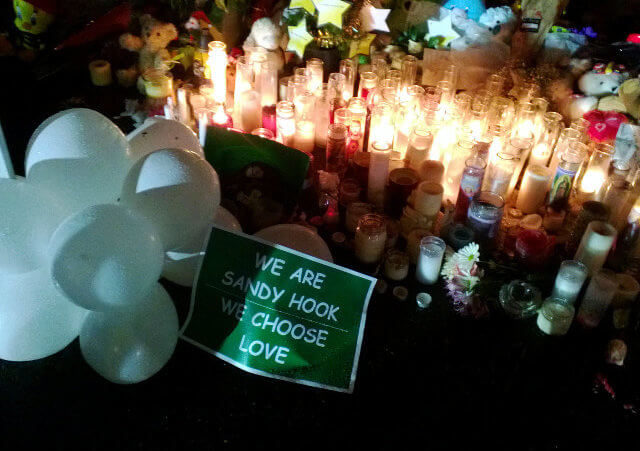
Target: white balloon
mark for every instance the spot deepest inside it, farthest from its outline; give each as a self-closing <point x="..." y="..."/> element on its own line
<point x="35" y="319"/>
<point x="105" y="257"/>
<point x="80" y="157"/>
<point x="297" y="237"/>
<point x="176" y="190"/>
<point x="28" y="217"/>
<point x="180" y="265"/>
<point x="130" y="346"/>
<point x="159" y="133"/>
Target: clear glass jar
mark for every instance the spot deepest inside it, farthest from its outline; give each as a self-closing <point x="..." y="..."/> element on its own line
<point x="285" y="122"/>
<point x="382" y="128"/>
<point x="371" y="235"/>
<point x="356" y="210"/>
<point x="430" y="259"/>
<point x="520" y="299"/>
<point x="368" y="83"/>
<point x="470" y="184"/>
<point x="348" y="69"/>
<point x="408" y="71"/>
<point x="484" y="216"/>
<point x="595" y="174"/>
<point x="266" y="76"/>
<point x="218" y="68"/>
<point x="569" y="280"/>
<point x="555" y="316"/>
<point x="451" y="74"/>
<point x="263" y="133"/>
<point x="495" y="84"/>
<point x="336" y="157"/>
<point x="597" y="298"/>
<point x="396" y="265"/>
<point x="315" y="75"/>
<point x="243" y="83"/>
<point x="420" y="141"/>
<point x="500" y="172"/>
<point x="501" y="113"/>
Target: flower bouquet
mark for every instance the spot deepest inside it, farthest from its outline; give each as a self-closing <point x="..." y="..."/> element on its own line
<point x="462" y="275"/>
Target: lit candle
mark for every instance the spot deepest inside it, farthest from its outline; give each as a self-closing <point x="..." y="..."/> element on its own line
<point x="555" y="316"/>
<point x="595" y="174"/>
<point x="218" y="68"/>
<point x="420" y="142"/>
<point x="381" y="129"/>
<point x="470" y="184"/>
<point x="243" y="83"/>
<point x="305" y="136"/>
<point x="371" y="235"/>
<point x="250" y="111"/>
<point x="184" y="115"/>
<point x="569" y="280"/>
<point x="430" y="259"/>
<point x="597" y="298"/>
<point x="499" y="173"/>
<point x="378" y="172"/>
<point x="368" y="83"/>
<point x="534" y="189"/>
<point x="484" y="216"/>
<point x="358" y="109"/>
<point x="336" y="159"/>
<point x="540" y="154"/>
<point x="315" y="74"/>
<point x="595" y="245"/>
<point x="348" y="69"/>
<point x="431" y="171"/>
<point x="285" y="122"/>
<point x="455" y="167"/>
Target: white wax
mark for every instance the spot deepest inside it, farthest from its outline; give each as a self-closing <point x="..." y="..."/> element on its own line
<point x="540" y="155"/>
<point x="251" y="116"/>
<point x="533" y="190"/>
<point x="558" y="319"/>
<point x="429" y="263"/>
<point x="568" y="288"/>
<point x="428" y="198"/>
<point x="305" y="137"/>
<point x="370" y="248"/>
<point x="595" y="246"/>
<point x="378" y="173"/>
<point x="218" y="66"/>
<point x="183" y="107"/>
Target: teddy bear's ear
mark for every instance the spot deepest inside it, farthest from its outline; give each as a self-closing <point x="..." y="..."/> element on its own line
<point x="171" y="31"/>
<point x="146" y="21"/>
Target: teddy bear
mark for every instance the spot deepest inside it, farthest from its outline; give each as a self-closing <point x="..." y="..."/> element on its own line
<point x="596" y="85"/>
<point x="151" y="49"/>
<point x="266" y="34"/>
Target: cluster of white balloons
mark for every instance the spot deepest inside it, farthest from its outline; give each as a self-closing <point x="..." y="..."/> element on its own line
<point x="86" y="235"/>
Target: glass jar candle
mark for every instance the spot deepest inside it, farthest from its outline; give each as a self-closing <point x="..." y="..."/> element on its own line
<point x="451" y="74"/>
<point x="532" y="247"/>
<point x="382" y="128"/>
<point x="431" y="171"/>
<point x="336" y="159"/>
<point x="266" y="79"/>
<point x="371" y="235"/>
<point x="420" y="141"/>
<point x="430" y="259"/>
<point x="358" y="109"/>
<point x="597" y="298"/>
<point x="495" y="84"/>
<point x="470" y="185"/>
<point x="378" y="172"/>
<point x="499" y="173"/>
<point x="350" y="191"/>
<point x="459" y="235"/>
<point x="501" y="113"/>
<point x="484" y="215"/>
<point x="251" y="111"/>
<point x="402" y="181"/>
<point x="263" y="133"/>
<point x="570" y="162"/>
<point x="304" y="137"/>
<point x="569" y="280"/>
<point x="462" y="105"/>
<point x="478" y="121"/>
<point x="617" y="194"/>
<point x="595" y="174"/>
<point x="533" y="189"/>
<point x="348" y="69"/>
<point x="368" y="83"/>
<point x="447" y="92"/>
<point x="315" y="74"/>
<point x="355" y="211"/>
<point x="405" y="120"/>
<point x="408" y="71"/>
<point x="428" y="198"/>
<point x="379" y="66"/>
<point x="595" y="245"/>
<point x="590" y="211"/>
<point x="566" y="138"/>
<point x="396" y="265"/>
<point x="555" y="316"/>
<point x="285" y="122"/>
<point x="455" y="164"/>
<point x="519" y="299"/>
<point x="218" y="68"/>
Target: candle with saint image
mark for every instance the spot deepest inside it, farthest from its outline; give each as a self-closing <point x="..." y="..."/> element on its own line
<point x="470" y="184"/>
<point x="218" y="68"/>
<point x="378" y="172"/>
<point x="358" y="109"/>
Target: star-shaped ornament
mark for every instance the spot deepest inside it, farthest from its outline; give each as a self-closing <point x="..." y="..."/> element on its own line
<point x="442" y="29"/>
<point x="331" y="11"/>
<point x="374" y="18"/>
<point x="299" y="38"/>
<point x="361" y="46"/>
<point x="307" y="5"/>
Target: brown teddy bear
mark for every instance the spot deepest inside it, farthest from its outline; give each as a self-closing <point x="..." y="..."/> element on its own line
<point x="151" y="48"/>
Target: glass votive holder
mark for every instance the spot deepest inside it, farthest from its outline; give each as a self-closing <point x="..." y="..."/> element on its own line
<point x="371" y="235"/>
<point x="423" y="300"/>
<point x="459" y="235"/>
<point x="520" y="299"/>
<point x="484" y="216"/>
<point x="356" y="210"/>
<point x="555" y="316"/>
<point x="569" y="280"/>
<point x="597" y="298"/>
<point x="402" y="182"/>
<point x="532" y="248"/>
<point x="396" y="265"/>
<point x="430" y="259"/>
<point x="623" y="300"/>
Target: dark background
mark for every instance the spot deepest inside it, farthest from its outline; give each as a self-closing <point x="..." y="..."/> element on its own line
<point x="427" y="378"/>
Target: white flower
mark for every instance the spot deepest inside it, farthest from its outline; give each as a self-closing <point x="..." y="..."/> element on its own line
<point x="449" y="268"/>
<point x="469" y="254"/>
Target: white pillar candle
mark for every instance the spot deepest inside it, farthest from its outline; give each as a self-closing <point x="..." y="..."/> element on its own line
<point x="251" y="111"/>
<point x="430" y="260"/>
<point x="183" y="107"/>
<point x="534" y="189"/>
<point x="305" y="137"/>
<point x="595" y="245"/>
<point x="218" y="68"/>
<point x="378" y="172"/>
<point x="428" y="198"/>
<point x="555" y="316"/>
<point x="540" y="154"/>
<point x="598" y="297"/>
<point x="569" y="281"/>
<point x="371" y="236"/>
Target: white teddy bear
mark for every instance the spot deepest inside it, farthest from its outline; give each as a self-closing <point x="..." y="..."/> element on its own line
<point x="266" y="34"/>
<point x="594" y="84"/>
<point x="494" y="17"/>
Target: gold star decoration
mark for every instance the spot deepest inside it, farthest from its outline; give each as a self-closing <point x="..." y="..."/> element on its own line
<point x="361" y="45"/>
<point x="307" y="5"/>
<point x="299" y="38"/>
<point x="331" y="11"/>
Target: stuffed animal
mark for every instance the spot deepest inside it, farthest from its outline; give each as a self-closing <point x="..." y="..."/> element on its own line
<point x="151" y="46"/>
<point x="499" y="20"/>
<point x="602" y="81"/>
<point x="266" y="34"/>
<point x="32" y="21"/>
<point x="629" y="94"/>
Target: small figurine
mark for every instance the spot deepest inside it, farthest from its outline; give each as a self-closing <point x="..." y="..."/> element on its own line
<point x="266" y="34"/>
<point x="199" y="27"/>
<point x="33" y="18"/>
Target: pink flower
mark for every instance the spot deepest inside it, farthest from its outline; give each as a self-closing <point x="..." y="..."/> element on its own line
<point x="604" y="125"/>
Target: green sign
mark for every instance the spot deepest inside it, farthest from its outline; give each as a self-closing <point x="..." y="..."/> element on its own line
<point x="277" y="312"/>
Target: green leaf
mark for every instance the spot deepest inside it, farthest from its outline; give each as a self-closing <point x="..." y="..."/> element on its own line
<point x="222" y="5"/>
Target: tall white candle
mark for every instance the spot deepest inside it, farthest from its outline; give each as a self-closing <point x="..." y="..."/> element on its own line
<point x="430" y="260"/>
<point x="251" y="116"/>
<point x="569" y="281"/>
<point x="305" y="136"/>
<point x="428" y="198"/>
<point x="595" y="245"/>
<point x="218" y="68"/>
<point x="184" y="115"/>
<point x="534" y="189"/>
<point x="378" y="172"/>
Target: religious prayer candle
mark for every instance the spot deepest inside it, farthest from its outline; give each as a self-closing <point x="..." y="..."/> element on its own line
<point x="431" y="171"/>
<point x="499" y="173"/>
<point x="595" y="245"/>
<point x="533" y="189"/>
<point x="485" y="214"/>
<point x="218" y="68"/>
<point x="305" y="136"/>
<point x="470" y="184"/>
<point x="371" y="235"/>
<point x="251" y="111"/>
<point x="569" y="280"/>
<point x="420" y="141"/>
<point x="336" y="158"/>
<point x="382" y="128"/>
<point x="378" y="172"/>
<point x="455" y="167"/>
<point x="595" y="174"/>
<point x="597" y="298"/>
<point x="349" y="192"/>
<point x="356" y="210"/>
<point x="358" y="109"/>
<point x="570" y="162"/>
<point x="540" y="154"/>
<point x="243" y="83"/>
<point x="396" y="265"/>
<point x="555" y="316"/>
<point x="525" y="121"/>
<point x="322" y="116"/>
<point x="430" y="259"/>
<point x="285" y="122"/>
<point x="184" y="115"/>
<point x="616" y="196"/>
<point x="428" y="198"/>
<point x="315" y="75"/>
<point x="266" y="77"/>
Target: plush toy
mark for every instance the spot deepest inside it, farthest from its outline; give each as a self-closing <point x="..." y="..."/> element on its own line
<point x="151" y="46"/>
<point x="629" y="94"/>
<point x="498" y="20"/>
<point x="473" y="8"/>
<point x="266" y="34"/>
<point x="198" y="26"/>
<point x="603" y="80"/>
<point x="32" y="20"/>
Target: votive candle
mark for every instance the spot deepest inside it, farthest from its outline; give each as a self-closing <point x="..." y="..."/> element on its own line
<point x="533" y="189"/>
<point x="371" y="235"/>
<point x="430" y="259"/>
<point x="569" y="280"/>
<point x="378" y="172"/>
<point x="555" y="316"/>
<point x="597" y="298"/>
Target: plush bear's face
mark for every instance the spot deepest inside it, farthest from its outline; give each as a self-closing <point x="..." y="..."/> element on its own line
<point x="596" y="84"/>
<point x="157" y="35"/>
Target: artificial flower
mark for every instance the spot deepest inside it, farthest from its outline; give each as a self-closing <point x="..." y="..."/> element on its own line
<point x="604" y="125"/>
